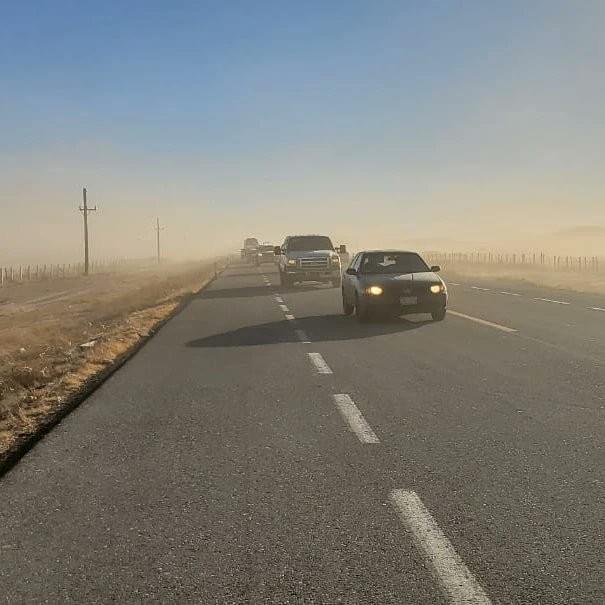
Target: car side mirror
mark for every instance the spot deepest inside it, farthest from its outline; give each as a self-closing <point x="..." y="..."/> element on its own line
<point x="342" y="249"/>
<point x="435" y="268"/>
<point x="351" y="271"/>
<point x="277" y="250"/>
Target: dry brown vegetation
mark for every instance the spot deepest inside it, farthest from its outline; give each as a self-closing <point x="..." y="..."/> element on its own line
<point x="54" y="336"/>
<point x="588" y="282"/>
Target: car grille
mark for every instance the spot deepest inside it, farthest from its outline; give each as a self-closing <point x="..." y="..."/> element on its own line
<point x="314" y="263"/>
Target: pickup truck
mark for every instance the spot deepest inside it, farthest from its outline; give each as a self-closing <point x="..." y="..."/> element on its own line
<point x="309" y="258"/>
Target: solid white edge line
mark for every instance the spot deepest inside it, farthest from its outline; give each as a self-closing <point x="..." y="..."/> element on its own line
<point x="484" y="322"/>
<point x="354" y="418"/>
<point x="290" y="317"/>
<point x="550" y="300"/>
<point x="457" y="582"/>
<point x="320" y="363"/>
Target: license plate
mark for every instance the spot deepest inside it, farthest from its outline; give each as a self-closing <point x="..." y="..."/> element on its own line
<point x="408" y="300"/>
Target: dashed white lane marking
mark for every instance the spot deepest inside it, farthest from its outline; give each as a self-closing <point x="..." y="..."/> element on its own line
<point x="457" y="582"/>
<point x="320" y="363"/>
<point x="550" y="300"/>
<point x="302" y="336"/>
<point x="279" y="299"/>
<point x="353" y="417"/>
<point x="482" y="289"/>
<point x="453" y="283"/>
<point x="484" y="322"/>
<point x="510" y="293"/>
<point x="290" y="317"/>
<point x="597" y="309"/>
<point x="284" y="308"/>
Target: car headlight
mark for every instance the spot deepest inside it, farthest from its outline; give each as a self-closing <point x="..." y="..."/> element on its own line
<point x="375" y="290"/>
<point x="437" y="288"/>
<point x="291" y="262"/>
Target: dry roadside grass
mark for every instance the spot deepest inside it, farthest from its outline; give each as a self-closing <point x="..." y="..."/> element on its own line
<point x="586" y="282"/>
<point x="43" y="328"/>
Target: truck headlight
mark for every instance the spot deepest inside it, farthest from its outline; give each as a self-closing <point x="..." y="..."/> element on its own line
<point x="375" y="290"/>
<point x="437" y="288"/>
<point x="291" y="262"/>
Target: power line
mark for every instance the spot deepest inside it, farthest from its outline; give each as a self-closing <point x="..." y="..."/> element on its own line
<point x="85" y="210"/>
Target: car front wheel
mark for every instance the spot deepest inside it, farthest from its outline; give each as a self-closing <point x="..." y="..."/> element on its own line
<point x="362" y="311"/>
<point x="346" y="307"/>
<point x="438" y="315"/>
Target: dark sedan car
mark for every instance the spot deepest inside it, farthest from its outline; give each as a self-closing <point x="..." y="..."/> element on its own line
<point x="394" y="281"/>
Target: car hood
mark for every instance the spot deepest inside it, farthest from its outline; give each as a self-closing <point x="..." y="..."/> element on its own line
<point x="394" y="278"/>
<point x="310" y="254"/>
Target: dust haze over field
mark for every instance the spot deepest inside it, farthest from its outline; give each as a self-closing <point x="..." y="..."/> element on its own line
<point x="385" y="127"/>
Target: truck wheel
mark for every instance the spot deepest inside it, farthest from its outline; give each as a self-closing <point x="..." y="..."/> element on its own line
<point x="361" y="310"/>
<point x="347" y="308"/>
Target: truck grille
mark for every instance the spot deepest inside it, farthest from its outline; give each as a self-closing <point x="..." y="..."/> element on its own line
<point x="314" y="263"/>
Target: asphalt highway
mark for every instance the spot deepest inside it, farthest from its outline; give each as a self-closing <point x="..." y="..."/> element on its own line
<point x="264" y="448"/>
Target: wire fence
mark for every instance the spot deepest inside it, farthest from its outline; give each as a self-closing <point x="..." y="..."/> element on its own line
<point x="532" y="260"/>
<point x="17" y="274"/>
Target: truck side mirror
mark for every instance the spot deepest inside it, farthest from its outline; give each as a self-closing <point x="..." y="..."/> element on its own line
<point x="277" y="250"/>
<point x="351" y="271"/>
<point x="435" y="268"/>
<point x="343" y="249"/>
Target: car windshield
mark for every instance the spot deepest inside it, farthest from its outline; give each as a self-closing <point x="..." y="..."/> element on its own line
<point x="310" y="242"/>
<point x="393" y="262"/>
<point x="251" y="241"/>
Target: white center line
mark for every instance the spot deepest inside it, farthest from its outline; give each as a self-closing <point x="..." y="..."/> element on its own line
<point x="290" y="317"/>
<point x="302" y="336"/>
<point x="457" y="582"/>
<point x="550" y="300"/>
<point x="354" y="419"/>
<point x="483" y="289"/>
<point x="284" y="308"/>
<point x="483" y="321"/>
<point x="320" y="363"/>
<point x="597" y="308"/>
<point x="510" y="293"/>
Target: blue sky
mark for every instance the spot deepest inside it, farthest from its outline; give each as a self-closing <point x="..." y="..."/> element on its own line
<point x="236" y="114"/>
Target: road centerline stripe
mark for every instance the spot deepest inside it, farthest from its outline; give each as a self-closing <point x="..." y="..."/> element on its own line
<point x="484" y="322"/>
<point x="457" y="582"/>
<point x="509" y="293"/>
<point x="482" y="289"/>
<point x="320" y="363"/>
<point x="550" y="300"/>
<point x="354" y="418"/>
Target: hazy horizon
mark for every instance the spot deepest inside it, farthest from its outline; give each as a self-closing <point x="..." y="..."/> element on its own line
<point x="426" y="124"/>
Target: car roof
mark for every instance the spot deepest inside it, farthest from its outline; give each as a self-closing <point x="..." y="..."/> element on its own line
<point x="389" y="251"/>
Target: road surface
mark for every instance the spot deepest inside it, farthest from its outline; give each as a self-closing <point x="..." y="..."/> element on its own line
<point x="263" y="448"/>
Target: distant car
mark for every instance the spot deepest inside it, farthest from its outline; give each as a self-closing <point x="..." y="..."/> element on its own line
<point x="395" y="281"/>
<point x="266" y="254"/>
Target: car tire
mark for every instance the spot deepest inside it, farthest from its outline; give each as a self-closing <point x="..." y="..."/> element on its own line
<point x="362" y="312"/>
<point x="439" y="315"/>
<point x="347" y="308"/>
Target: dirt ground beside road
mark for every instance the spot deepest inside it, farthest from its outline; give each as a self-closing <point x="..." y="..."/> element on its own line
<point x="54" y="336"/>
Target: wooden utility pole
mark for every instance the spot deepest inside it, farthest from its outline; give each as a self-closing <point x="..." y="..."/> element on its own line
<point x="157" y="230"/>
<point x="84" y="209"/>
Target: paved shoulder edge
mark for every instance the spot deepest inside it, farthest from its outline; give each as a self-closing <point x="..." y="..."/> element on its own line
<point x="12" y="456"/>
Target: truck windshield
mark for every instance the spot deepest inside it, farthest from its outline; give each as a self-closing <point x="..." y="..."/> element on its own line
<point x="393" y="262"/>
<point x="251" y="242"/>
<point x="309" y="242"/>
